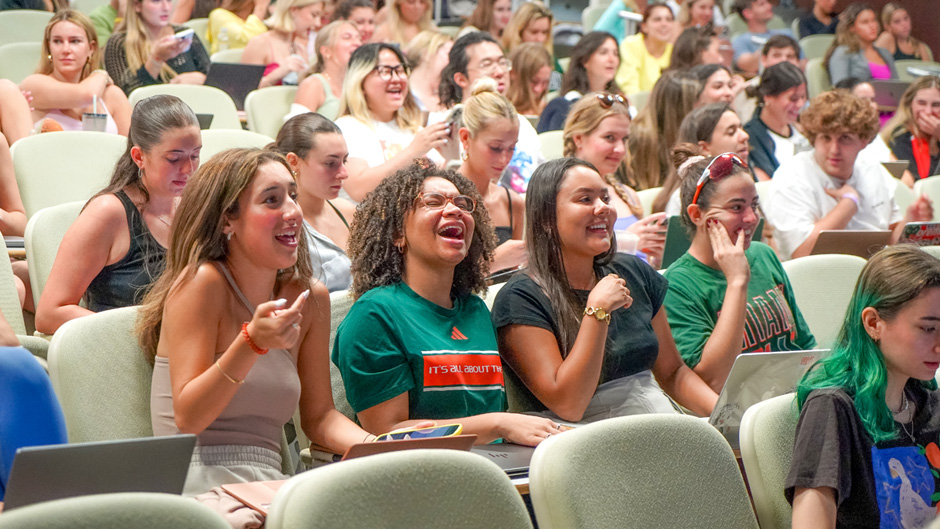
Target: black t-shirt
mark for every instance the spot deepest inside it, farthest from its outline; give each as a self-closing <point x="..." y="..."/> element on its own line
<point x="877" y="485"/>
<point x="810" y="25"/>
<point x="902" y="149"/>
<point x="632" y="346"/>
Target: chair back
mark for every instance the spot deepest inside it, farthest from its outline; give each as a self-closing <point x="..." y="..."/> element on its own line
<point x="552" y="144"/>
<point x="647" y="197"/>
<point x="141" y="510"/>
<point x="410" y="488"/>
<point x="929" y="186"/>
<point x="102" y="377"/>
<point x="340" y="303"/>
<point x="903" y="195"/>
<point x="654" y="470"/>
<point x="816" y="46"/>
<point x="904" y="75"/>
<point x="215" y="141"/>
<point x="817" y="77"/>
<point x="767" y="432"/>
<point x="201" y="26"/>
<point x="44" y="233"/>
<point x="65" y="166"/>
<point x="202" y="99"/>
<point x="266" y="108"/>
<point x="590" y="15"/>
<point x="823" y="286"/>
<point x="19" y="60"/>
<point x="230" y="55"/>
<point x="9" y="298"/>
<point x="638" y="100"/>
<point x="23" y="25"/>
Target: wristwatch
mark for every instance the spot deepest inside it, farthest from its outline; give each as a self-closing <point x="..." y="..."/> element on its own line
<point x="599" y="313"/>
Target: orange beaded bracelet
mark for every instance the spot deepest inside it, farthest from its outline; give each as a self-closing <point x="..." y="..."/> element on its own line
<point x="254" y="347"/>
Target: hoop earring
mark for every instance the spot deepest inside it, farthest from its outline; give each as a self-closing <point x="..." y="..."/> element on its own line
<point x="401" y="248"/>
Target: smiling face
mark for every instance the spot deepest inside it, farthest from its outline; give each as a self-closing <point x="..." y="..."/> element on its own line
<point x="584" y="216"/>
<point x="322" y="172"/>
<point x="926" y="103"/>
<point x="866" y="27"/>
<point x="412" y="10"/>
<point x="733" y="203"/>
<point x="728" y="136"/>
<point x="155" y="14"/>
<point x="268" y="222"/>
<point x="308" y="17"/>
<point x="603" y="63"/>
<point x="910" y="341"/>
<point x="606" y="145"/>
<point x="69" y="47"/>
<point x="347" y="40"/>
<point x="502" y="12"/>
<point x="168" y="165"/>
<point x="836" y="153"/>
<point x="787" y="104"/>
<point x="536" y="31"/>
<point x="717" y="88"/>
<point x="385" y="96"/>
<point x="660" y="25"/>
<point x="436" y="237"/>
<point x="490" y="151"/>
<point x="364" y="20"/>
<point x="701" y="12"/>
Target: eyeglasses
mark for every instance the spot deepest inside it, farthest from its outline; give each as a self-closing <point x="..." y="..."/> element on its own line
<point x="489" y="66"/>
<point x="385" y="71"/>
<point x="439" y="201"/>
<point x="720" y="167"/>
<point x="608" y="100"/>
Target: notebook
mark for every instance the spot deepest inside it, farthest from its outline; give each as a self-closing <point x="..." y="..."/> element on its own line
<point x="677" y="241"/>
<point x="235" y="79"/>
<point x="257" y="495"/>
<point x="863" y="243"/>
<point x="921" y="234"/>
<point x="756" y="377"/>
<point x="151" y="464"/>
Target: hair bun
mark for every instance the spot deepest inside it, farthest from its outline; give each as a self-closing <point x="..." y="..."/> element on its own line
<point x="484" y="85"/>
<point x="683" y="152"/>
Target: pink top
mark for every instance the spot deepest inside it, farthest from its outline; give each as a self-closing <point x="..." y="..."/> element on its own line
<point x="70" y="123"/>
<point x="879" y="71"/>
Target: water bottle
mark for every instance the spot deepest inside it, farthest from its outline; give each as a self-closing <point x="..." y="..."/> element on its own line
<point x="223" y="39"/>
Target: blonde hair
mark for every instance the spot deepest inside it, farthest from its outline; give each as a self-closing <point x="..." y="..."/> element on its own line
<point x="326" y="38"/>
<point x="353" y="102"/>
<point x="903" y="120"/>
<point x="210" y="198"/>
<point x="527" y="59"/>
<point x="528" y="12"/>
<point x="137" y="42"/>
<point x="424" y="45"/>
<point x="887" y="12"/>
<point x="80" y="20"/>
<point x="396" y="26"/>
<point x="484" y="105"/>
<point x="282" y="20"/>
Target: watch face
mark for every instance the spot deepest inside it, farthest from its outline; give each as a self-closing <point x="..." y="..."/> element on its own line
<point x="601" y="314"/>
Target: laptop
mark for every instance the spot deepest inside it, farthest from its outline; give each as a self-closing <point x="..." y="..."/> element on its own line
<point x="205" y="120"/>
<point x="863" y="243"/>
<point x="512" y="458"/>
<point x="677" y="242"/>
<point x="888" y="92"/>
<point x="756" y="377"/>
<point x="151" y="464"/>
<point x="921" y="234"/>
<point x="235" y="79"/>
<point x="896" y="168"/>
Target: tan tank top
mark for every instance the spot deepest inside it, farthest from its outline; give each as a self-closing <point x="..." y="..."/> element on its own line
<point x="258" y="411"/>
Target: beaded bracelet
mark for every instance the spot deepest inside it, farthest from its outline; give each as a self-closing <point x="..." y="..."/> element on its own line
<point x="251" y="344"/>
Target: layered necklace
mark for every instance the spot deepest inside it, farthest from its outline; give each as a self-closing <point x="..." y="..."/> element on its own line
<point x="902" y="411"/>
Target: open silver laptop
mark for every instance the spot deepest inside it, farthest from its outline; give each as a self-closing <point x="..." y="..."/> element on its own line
<point x="151" y="464"/>
<point x="756" y="377"/>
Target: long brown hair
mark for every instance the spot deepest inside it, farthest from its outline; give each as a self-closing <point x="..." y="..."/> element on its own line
<point x="210" y="198"/>
<point x="527" y="59"/>
<point x="844" y="35"/>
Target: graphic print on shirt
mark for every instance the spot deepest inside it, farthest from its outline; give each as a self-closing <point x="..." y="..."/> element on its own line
<point x="390" y="149"/>
<point x="905" y="485"/>
<point x="768" y="322"/>
<point x="448" y="370"/>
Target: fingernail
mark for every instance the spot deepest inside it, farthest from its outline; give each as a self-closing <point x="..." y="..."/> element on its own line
<point x="306" y="293"/>
<point x="280" y="303"/>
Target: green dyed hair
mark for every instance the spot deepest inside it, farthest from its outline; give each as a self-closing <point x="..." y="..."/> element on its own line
<point x="891" y="279"/>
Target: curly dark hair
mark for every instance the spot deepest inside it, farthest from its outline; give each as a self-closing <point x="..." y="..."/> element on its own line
<point x="380" y="220"/>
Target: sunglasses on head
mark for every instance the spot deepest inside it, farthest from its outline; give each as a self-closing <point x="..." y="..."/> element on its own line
<point x="608" y="100"/>
<point x="720" y="167"/>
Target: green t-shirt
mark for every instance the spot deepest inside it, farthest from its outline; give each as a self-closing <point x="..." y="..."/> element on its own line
<point x="393" y="341"/>
<point x="772" y="320"/>
<point x="103" y="18"/>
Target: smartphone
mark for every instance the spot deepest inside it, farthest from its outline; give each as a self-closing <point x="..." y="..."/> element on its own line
<point x="421" y="433"/>
<point x="185" y="34"/>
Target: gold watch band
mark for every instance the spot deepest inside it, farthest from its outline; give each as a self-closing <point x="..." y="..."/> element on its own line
<point x="598" y="313"/>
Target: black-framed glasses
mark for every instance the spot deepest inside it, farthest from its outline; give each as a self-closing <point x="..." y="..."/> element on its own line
<point x="439" y="201"/>
<point x="385" y="71"/>
<point x="608" y="100"/>
<point x="720" y="167"/>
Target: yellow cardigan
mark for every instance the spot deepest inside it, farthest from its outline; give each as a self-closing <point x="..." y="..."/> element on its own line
<point x="239" y="31"/>
<point x="639" y="70"/>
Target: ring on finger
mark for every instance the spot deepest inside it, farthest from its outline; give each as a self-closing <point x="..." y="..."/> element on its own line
<point x="295" y="325"/>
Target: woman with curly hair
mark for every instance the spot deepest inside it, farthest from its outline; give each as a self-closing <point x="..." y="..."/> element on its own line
<point x="584" y="329"/>
<point x="825" y="189"/>
<point x="418" y="343"/>
<point x="865" y="448"/>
